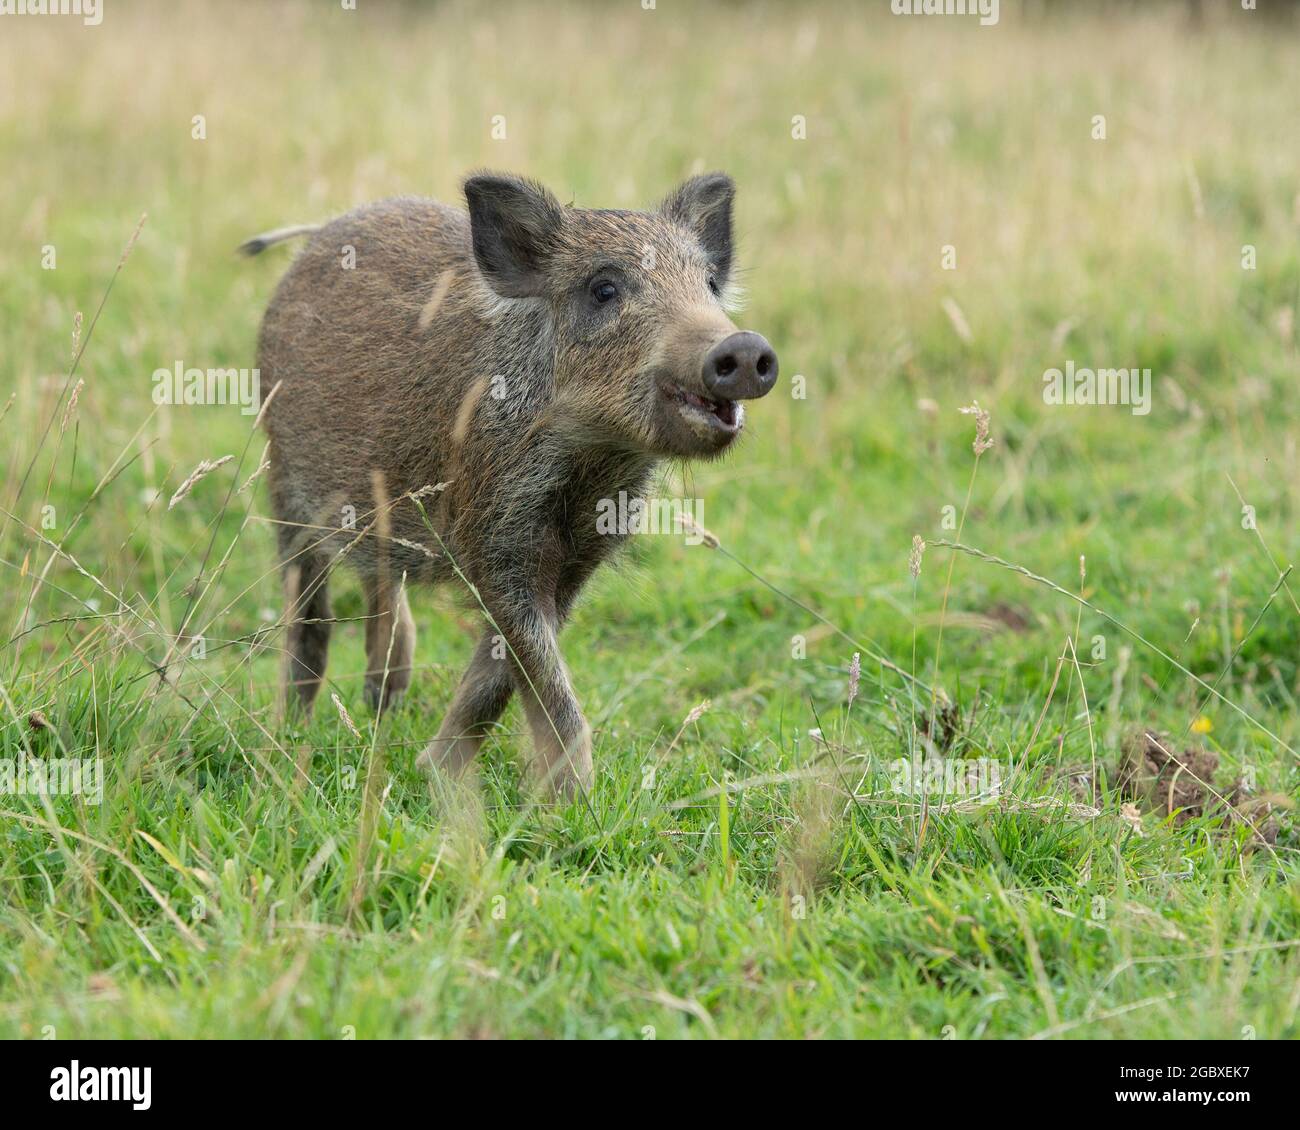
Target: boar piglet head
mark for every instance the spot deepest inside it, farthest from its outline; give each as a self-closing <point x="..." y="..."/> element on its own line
<point x="645" y="356"/>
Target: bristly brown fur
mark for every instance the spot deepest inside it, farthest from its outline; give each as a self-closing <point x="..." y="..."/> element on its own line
<point x="530" y="405"/>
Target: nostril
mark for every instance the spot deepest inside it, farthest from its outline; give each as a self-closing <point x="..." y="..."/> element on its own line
<point x="764" y="364"/>
<point x="725" y="366"/>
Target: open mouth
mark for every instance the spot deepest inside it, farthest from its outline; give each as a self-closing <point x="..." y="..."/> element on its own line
<point x="725" y="415"/>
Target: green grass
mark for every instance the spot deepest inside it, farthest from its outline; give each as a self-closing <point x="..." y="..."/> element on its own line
<point x="236" y="881"/>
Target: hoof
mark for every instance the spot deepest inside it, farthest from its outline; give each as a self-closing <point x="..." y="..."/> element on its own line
<point x="380" y="697"/>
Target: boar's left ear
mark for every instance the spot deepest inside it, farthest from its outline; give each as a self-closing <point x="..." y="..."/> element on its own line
<point x="703" y="204"/>
<point x="514" y="226"/>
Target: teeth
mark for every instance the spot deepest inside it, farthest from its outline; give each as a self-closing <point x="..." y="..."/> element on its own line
<point x="724" y="411"/>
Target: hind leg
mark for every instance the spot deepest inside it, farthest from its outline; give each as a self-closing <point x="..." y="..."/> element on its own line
<point x="307" y="617"/>
<point x="390" y="643"/>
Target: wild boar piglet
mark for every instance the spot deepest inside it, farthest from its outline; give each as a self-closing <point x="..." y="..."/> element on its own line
<point x="538" y="360"/>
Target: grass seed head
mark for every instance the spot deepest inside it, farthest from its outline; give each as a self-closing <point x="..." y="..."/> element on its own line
<point x="691" y="526"/>
<point x="914" y="558"/>
<point x="72" y="402"/>
<point x="345" y="716"/>
<point x="205" y="468"/>
<point x="982" y="441"/>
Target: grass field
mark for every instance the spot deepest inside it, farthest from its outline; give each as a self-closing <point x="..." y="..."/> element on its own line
<point x="748" y="870"/>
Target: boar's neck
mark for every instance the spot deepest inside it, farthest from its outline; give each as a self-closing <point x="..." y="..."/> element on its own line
<point x="543" y="440"/>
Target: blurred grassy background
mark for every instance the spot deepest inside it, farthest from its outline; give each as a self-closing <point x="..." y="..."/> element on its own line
<point x="920" y="133"/>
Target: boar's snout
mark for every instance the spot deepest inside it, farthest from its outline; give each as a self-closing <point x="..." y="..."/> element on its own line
<point x="740" y="367"/>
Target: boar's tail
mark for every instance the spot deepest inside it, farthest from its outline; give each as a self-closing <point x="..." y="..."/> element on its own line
<point x="260" y="243"/>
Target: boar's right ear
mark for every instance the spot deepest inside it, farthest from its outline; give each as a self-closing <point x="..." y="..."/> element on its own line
<point x="703" y="204"/>
<point x="514" y="225"/>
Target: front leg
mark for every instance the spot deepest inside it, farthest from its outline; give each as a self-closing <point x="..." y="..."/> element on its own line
<point x="561" y="736"/>
<point x="487" y="685"/>
<point x="484" y="691"/>
<point x="519" y="653"/>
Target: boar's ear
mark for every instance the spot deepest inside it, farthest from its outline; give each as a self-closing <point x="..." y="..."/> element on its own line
<point x="703" y="204"/>
<point x="514" y="224"/>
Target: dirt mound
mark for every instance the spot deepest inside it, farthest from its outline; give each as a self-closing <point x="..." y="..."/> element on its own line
<point x="1181" y="783"/>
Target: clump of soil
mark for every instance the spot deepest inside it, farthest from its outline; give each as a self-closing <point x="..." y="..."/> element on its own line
<point x="1181" y="782"/>
<point x="1010" y="617"/>
<point x="1161" y="779"/>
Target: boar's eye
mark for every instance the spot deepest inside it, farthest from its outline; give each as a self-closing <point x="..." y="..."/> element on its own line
<point x="602" y="292"/>
<point x="713" y="286"/>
